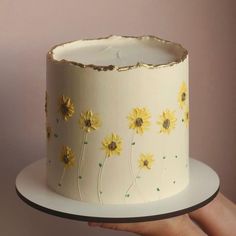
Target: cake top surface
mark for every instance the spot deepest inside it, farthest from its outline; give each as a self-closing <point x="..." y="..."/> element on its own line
<point x="119" y="52"/>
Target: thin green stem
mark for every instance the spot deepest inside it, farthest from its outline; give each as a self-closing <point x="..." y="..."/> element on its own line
<point x="62" y="176"/>
<point x="133" y="183"/>
<point x="80" y="162"/>
<point x="99" y="181"/>
<point x="131" y="166"/>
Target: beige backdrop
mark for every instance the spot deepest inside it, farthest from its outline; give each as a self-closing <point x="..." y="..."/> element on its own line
<point x="28" y="28"/>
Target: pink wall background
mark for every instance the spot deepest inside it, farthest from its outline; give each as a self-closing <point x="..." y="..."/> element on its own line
<point x="28" y="28"/>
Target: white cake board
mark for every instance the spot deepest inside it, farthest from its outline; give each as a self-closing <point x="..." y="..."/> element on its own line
<point x="31" y="187"/>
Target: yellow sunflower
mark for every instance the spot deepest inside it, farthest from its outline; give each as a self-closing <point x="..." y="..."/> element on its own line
<point x="186" y="116"/>
<point x="89" y="121"/>
<point x="67" y="157"/>
<point x="48" y="131"/>
<point x="112" y="145"/>
<point x="167" y="121"/>
<point x="146" y="161"/>
<point x="183" y="95"/>
<point x="139" y="120"/>
<point x="66" y="107"/>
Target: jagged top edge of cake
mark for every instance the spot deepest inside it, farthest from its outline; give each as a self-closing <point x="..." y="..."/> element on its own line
<point x="183" y="55"/>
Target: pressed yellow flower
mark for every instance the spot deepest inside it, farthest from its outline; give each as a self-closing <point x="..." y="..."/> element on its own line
<point x="89" y="121"/>
<point x="112" y="145"/>
<point x="146" y="161"/>
<point x="186" y="116"/>
<point x="139" y="120"/>
<point x="167" y="121"/>
<point x="67" y="157"/>
<point x="48" y="131"/>
<point x="183" y="95"/>
<point x="66" y="107"/>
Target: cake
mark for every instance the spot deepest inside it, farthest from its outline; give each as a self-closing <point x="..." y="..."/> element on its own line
<point x="117" y="119"/>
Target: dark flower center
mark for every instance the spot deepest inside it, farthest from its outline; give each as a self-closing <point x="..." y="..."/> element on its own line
<point x="183" y="97"/>
<point x="187" y="115"/>
<point x="64" y="109"/>
<point x="88" y="123"/>
<point x="66" y="159"/>
<point x="139" y="122"/>
<point x="166" y="123"/>
<point x="145" y="163"/>
<point x="112" y="146"/>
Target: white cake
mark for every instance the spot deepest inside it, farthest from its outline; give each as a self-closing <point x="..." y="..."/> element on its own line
<point x="117" y="113"/>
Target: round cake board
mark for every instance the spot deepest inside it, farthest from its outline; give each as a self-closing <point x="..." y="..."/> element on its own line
<point x="31" y="187"/>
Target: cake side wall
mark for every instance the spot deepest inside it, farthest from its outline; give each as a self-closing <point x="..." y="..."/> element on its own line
<point x="149" y="160"/>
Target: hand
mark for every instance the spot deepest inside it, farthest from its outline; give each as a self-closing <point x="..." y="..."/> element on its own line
<point x="217" y="219"/>
<point x="181" y="225"/>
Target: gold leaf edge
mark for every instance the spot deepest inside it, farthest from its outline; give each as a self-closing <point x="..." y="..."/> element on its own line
<point x="50" y="55"/>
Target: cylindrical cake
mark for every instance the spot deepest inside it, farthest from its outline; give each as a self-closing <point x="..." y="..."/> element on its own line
<point x="117" y="111"/>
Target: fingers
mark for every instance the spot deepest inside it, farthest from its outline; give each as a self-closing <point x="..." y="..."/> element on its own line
<point x="131" y="227"/>
<point x="218" y="217"/>
<point x="181" y="225"/>
<point x="142" y="228"/>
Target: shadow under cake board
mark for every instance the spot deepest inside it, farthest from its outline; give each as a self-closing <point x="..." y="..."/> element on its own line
<point x="31" y="187"/>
